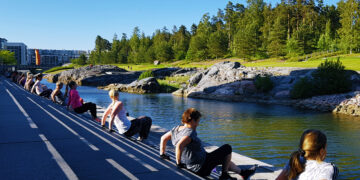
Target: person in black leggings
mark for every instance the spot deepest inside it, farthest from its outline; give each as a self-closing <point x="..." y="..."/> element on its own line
<point x="77" y="105"/>
<point x="191" y="154"/>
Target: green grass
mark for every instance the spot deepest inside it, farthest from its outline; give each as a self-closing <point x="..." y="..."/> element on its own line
<point x="141" y="67"/>
<point x="58" y="69"/>
<point x="351" y="62"/>
<point x="171" y="84"/>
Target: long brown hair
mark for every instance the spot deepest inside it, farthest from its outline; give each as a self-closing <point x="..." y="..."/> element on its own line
<point x="190" y="115"/>
<point x="311" y="142"/>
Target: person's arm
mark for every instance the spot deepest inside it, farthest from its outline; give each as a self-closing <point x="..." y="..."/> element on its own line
<point x="33" y="87"/>
<point x="164" y="139"/>
<point x="53" y="95"/>
<point x="115" y="110"/>
<point x="105" y="115"/>
<point x="184" y="141"/>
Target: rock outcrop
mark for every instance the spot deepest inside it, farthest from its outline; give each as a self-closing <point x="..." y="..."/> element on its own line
<point x="98" y="75"/>
<point x="229" y="81"/>
<point x="143" y="86"/>
<point x="230" y="78"/>
<point x="349" y="106"/>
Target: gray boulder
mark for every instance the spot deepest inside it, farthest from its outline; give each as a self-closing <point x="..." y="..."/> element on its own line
<point x="143" y="86"/>
<point x="98" y="75"/>
<point x="195" y="79"/>
<point x="157" y="62"/>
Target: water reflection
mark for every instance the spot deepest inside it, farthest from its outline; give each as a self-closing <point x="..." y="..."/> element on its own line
<point x="265" y="132"/>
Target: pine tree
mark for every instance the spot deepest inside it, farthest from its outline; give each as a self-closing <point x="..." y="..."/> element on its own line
<point x="217" y="44"/>
<point x="198" y="43"/>
<point x="349" y="31"/>
<point x="134" y="44"/>
<point x="180" y="42"/>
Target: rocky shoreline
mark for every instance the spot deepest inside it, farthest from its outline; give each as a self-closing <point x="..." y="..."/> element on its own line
<point x="225" y="81"/>
<point x="229" y="81"/>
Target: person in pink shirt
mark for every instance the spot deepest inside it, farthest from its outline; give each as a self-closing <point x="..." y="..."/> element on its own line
<point x="75" y="102"/>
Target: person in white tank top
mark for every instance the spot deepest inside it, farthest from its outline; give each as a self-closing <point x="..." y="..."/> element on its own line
<point x="124" y="126"/>
<point x="308" y="162"/>
<point x="117" y="114"/>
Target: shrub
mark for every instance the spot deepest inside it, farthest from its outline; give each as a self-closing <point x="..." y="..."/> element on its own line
<point x="331" y="78"/>
<point x="303" y="88"/>
<point x="263" y="83"/>
<point x="146" y="74"/>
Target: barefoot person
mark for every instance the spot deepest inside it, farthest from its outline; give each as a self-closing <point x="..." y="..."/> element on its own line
<point x="117" y="113"/>
<point x="57" y="96"/>
<point x="191" y="154"/>
<point x="76" y="104"/>
<point x="308" y="162"/>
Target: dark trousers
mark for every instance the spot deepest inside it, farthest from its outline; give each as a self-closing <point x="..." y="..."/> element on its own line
<point x="87" y="107"/>
<point x="140" y="125"/>
<point x="214" y="158"/>
<point x="60" y="99"/>
<point x="46" y="93"/>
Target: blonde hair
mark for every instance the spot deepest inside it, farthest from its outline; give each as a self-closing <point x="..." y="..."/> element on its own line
<point x="311" y="143"/>
<point x="113" y="93"/>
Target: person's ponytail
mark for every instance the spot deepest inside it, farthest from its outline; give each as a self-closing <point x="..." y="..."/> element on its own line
<point x="296" y="163"/>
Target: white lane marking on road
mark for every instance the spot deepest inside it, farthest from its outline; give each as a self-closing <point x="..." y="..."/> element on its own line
<point x="31" y="122"/>
<point x="67" y="127"/>
<point x="107" y="141"/>
<point x="60" y="161"/>
<point x="121" y="169"/>
<point x="9" y="83"/>
<point x="141" y="147"/>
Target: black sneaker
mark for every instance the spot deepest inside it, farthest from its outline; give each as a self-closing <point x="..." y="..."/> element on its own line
<point x="248" y="172"/>
<point x="226" y="176"/>
<point x="111" y="130"/>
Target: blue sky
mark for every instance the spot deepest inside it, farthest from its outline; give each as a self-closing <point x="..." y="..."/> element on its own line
<point x="74" y="24"/>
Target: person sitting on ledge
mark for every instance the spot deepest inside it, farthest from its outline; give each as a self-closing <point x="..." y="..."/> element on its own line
<point x="117" y="113"/>
<point x="57" y="96"/>
<point x="308" y="161"/>
<point x="191" y="154"/>
<point x="39" y="88"/>
<point x="76" y="104"/>
<point x="22" y="79"/>
<point x="29" y="82"/>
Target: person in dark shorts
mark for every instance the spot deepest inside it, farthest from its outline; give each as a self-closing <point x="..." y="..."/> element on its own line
<point x="117" y="113"/>
<point x="191" y="154"/>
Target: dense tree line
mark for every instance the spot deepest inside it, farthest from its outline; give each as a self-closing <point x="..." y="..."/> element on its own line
<point x="258" y="30"/>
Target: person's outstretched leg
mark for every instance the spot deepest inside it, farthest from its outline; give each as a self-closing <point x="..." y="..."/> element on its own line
<point x="92" y="108"/>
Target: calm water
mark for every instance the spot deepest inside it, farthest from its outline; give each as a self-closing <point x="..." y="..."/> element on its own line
<point x="264" y="132"/>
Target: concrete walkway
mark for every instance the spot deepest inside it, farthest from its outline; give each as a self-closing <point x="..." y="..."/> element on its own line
<point x="42" y="140"/>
